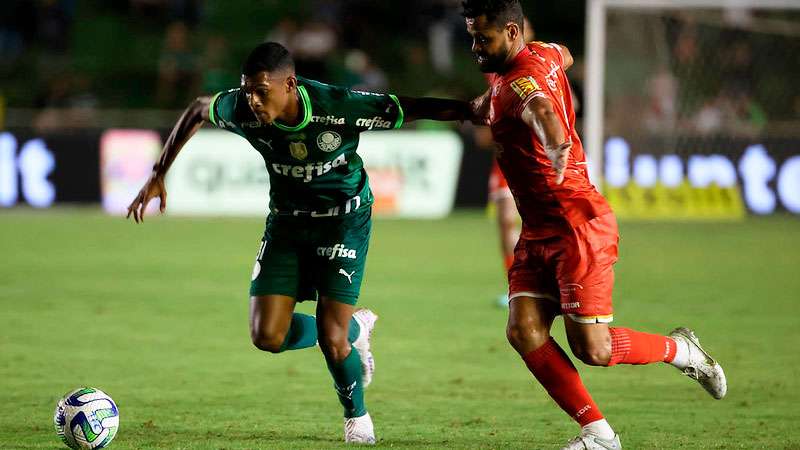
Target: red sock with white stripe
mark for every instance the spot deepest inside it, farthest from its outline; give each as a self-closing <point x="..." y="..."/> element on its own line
<point x="554" y="370"/>
<point x="634" y="347"/>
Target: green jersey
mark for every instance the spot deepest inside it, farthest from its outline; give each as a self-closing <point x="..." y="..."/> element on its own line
<point x="313" y="167"/>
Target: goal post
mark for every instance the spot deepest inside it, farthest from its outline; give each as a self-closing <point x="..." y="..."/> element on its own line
<point x="683" y="118"/>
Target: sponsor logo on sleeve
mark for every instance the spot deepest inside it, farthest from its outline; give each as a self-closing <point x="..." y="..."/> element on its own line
<point x="375" y="122"/>
<point x="525" y="86"/>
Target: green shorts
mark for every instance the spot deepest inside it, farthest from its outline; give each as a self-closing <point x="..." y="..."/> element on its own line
<point x="303" y="257"/>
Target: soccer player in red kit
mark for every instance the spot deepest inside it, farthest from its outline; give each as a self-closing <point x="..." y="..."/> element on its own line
<point x="563" y="262"/>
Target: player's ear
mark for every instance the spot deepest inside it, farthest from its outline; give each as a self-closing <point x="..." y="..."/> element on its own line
<point x="512" y="31"/>
<point x="291" y="83"/>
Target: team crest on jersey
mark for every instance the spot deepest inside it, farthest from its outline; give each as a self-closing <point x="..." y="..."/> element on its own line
<point x="298" y="150"/>
<point x="524" y="86"/>
<point x="328" y="141"/>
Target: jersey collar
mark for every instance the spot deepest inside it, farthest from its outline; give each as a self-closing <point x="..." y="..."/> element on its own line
<point x="516" y="60"/>
<point x="306" y="112"/>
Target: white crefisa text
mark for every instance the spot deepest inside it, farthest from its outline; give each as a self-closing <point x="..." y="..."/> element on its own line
<point x="308" y="171"/>
<point x="337" y="251"/>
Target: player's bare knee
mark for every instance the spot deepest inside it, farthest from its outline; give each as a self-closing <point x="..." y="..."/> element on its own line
<point x="268" y="342"/>
<point x="525" y="336"/>
<point x="593" y="354"/>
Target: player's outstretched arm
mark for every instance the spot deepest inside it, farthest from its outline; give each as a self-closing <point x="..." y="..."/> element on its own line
<point x="190" y="121"/>
<point x="540" y="116"/>
<point x="434" y="109"/>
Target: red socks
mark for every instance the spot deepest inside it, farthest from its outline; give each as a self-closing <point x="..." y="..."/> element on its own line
<point x="634" y="347"/>
<point x="554" y="370"/>
<point x="551" y="366"/>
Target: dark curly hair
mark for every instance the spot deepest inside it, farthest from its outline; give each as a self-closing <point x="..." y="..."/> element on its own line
<point x="500" y="12"/>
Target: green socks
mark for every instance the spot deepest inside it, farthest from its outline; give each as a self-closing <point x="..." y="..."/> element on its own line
<point x="347" y="382"/>
<point x="346" y="374"/>
<point x="303" y="332"/>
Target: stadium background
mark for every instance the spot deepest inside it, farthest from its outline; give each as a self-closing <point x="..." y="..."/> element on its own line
<point x="155" y="314"/>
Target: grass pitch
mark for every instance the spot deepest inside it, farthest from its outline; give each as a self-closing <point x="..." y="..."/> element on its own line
<point x="156" y="316"/>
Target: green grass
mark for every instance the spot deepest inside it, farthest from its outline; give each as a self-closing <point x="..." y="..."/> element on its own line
<point x="156" y="315"/>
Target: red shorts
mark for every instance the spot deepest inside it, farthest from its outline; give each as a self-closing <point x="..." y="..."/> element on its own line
<point x="575" y="269"/>
<point x="498" y="186"/>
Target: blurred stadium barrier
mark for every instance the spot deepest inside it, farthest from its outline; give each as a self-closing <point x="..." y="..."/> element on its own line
<point x="412" y="173"/>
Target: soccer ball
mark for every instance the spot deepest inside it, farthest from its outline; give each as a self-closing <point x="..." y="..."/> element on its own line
<point x="86" y="418"/>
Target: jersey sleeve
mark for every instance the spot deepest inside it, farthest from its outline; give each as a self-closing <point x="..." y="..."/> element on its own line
<point x="371" y="111"/>
<point x="222" y="111"/>
<point x="558" y="54"/>
<point x="538" y="77"/>
<point x="523" y="89"/>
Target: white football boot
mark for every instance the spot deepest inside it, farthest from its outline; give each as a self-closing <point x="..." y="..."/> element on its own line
<point x="366" y="320"/>
<point x="700" y="365"/>
<point x="592" y="442"/>
<point x="358" y="430"/>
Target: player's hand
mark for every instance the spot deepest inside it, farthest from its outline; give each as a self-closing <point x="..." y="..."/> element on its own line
<point x="559" y="158"/>
<point x="152" y="189"/>
<point x="479" y="108"/>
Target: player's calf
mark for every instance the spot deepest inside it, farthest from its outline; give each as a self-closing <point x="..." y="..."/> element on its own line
<point x="335" y="347"/>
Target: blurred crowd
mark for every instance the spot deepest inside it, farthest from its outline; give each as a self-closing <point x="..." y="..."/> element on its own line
<point x="709" y="74"/>
<point x="69" y="60"/>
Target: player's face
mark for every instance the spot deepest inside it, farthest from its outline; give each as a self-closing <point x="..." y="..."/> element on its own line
<point x="491" y="44"/>
<point x="268" y="94"/>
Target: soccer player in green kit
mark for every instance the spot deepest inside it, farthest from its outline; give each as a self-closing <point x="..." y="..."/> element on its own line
<point x="317" y="232"/>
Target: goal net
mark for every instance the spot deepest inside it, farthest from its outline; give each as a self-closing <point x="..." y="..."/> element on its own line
<point x="693" y="106"/>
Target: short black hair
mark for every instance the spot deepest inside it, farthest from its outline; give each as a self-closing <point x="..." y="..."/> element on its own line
<point x="269" y="56"/>
<point x="500" y="12"/>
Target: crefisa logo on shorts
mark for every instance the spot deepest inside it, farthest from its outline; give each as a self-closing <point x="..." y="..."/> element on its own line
<point x="337" y="251"/>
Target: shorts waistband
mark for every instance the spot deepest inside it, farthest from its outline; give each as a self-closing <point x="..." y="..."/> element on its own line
<point x="350" y="206"/>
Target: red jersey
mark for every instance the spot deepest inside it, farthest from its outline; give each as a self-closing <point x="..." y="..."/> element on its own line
<point x="546" y="208"/>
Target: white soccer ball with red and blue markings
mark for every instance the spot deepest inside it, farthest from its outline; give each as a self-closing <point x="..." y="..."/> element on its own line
<point x="86" y="418"/>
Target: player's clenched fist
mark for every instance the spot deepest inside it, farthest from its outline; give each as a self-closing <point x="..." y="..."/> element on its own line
<point x="152" y="189"/>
